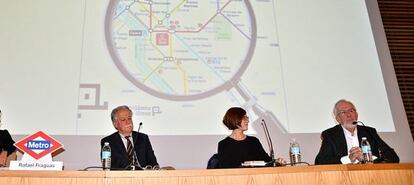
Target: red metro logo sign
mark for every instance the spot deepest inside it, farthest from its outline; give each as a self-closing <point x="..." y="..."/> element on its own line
<point x="38" y="145"/>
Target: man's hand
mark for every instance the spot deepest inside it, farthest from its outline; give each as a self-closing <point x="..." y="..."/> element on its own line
<point x="355" y="153"/>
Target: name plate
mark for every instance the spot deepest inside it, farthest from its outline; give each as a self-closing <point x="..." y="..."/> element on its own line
<point x="36" y="165"/>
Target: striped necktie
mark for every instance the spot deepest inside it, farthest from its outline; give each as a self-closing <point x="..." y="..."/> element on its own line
<point x="130" y="150"/>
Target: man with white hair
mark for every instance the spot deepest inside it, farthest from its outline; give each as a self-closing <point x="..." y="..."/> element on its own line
<point x="341" y="143"/>
<point x="128" y="147"/>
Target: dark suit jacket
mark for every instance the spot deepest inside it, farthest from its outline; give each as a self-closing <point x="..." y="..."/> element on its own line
<point x="142" y="146"/>
<point x="334" y="146"/>
<point x="6" y="142"/>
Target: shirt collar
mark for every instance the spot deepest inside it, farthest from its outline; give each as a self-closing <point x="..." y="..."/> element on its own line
<point x="348" y="133"/>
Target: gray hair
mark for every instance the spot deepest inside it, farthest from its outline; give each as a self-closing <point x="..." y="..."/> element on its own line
<point x="335" y="110"/>
<point x="116" y="110"/>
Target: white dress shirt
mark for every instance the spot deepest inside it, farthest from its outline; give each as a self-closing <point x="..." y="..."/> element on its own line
<point x="351" y="141"/>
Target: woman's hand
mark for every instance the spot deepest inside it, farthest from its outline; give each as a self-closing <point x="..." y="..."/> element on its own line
<point x="281" y="161"/>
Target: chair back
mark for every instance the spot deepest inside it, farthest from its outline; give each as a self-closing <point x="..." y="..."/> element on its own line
<point x="213" y="162"/>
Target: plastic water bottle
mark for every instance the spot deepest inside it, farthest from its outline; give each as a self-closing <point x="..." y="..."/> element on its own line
<point x="294" y="152"/>
<point x="366" y="150"/>
<point x="106" y="156"/>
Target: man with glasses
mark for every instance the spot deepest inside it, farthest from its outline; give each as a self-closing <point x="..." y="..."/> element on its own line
<point x="129" y="148"/>
<point x="341" y="143"/>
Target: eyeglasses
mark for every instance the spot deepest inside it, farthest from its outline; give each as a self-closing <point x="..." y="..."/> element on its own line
<point x="342" y="113"/>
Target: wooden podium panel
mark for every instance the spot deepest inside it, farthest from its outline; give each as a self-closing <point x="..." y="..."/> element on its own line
<point x="397" y="174"/>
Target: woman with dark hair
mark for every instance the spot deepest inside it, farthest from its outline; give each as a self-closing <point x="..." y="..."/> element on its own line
<point x="6" y="146"/>
<point x="238" y="147"/>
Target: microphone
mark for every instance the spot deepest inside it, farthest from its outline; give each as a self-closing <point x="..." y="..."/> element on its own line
<point x="139" y="127"/>
<point x="270" y="144"/>
<point x="356" y="122"/>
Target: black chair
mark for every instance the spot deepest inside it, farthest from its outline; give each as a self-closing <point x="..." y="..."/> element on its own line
<point x="213" y="162"/>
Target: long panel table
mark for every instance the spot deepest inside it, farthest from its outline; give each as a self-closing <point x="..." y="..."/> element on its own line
<point x="397" y="174"/>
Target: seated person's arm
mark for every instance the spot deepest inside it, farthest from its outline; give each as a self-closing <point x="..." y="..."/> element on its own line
<point x="7" y="147"/>
<point x="385" y="152"/>
<point x="151" y="159"/>
<point x="328" y="152"/>
<point x="8" y="143"/>
<point x="3" y="158"/>
<point x="355" y="156"/>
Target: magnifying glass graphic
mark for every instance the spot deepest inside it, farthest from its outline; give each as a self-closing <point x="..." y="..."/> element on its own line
<point x="181" y="50"/>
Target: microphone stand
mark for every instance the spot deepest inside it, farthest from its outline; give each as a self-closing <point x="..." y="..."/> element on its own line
<point x="135" y="163"/>
<point x="269" y="143"/>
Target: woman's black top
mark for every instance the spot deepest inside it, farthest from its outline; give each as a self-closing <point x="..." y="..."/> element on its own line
<point x="232" y="153"/>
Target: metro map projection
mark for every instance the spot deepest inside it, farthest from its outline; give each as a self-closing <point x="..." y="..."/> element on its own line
<point x="181" y="50"/>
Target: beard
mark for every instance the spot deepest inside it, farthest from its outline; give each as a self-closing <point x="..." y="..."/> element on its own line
<point x="348" y="126"/>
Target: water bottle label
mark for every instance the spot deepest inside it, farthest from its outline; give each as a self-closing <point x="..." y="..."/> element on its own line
<point x="295" y="150"/>
<point x="106" y="154"/>
<point x="366" y="149"/>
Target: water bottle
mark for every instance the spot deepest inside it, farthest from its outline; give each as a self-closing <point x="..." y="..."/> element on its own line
<point x="366" y="151"/>
<point x="106" y="156"/>
<point x="294" y="152"/>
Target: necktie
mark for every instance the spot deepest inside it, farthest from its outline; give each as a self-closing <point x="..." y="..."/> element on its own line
<point x="130" y="150"/>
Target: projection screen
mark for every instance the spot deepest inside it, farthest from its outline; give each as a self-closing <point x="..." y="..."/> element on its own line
<point x="180" y="65"/>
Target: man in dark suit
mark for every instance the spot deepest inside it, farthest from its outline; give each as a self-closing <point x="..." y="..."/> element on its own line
<point x="125" y="141"/>
<point x="341" y="143"/>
